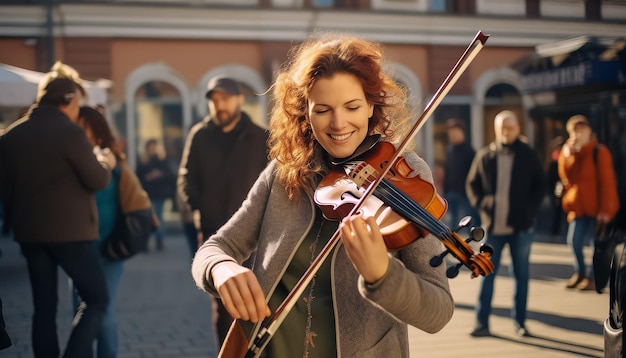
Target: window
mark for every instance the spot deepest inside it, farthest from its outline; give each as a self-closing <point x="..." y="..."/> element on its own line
<point x="323" y="3"/>
<point x="438" y="5"/>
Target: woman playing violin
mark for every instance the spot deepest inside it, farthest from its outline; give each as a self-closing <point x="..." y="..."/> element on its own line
<point x="330" y="97"/>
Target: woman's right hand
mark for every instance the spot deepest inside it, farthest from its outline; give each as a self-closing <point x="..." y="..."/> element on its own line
<point x="240" y="291"/>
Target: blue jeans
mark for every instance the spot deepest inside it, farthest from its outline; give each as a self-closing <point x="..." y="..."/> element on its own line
<point x="458" y="207"/>
<point x="159" y="233"/>
<point x="107" y="341"/>
<point x="81" y="262"/>
<point x="519" y="246"/>
<point x="580" y="232"/>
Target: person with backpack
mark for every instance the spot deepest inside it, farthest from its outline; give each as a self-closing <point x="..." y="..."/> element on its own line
<point x="590" y="196"/>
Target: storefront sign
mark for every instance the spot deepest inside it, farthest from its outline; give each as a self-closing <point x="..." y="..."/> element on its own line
<point x="581" y="74"/>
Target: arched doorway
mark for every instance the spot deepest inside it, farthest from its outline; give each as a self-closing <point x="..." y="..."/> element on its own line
<point x="503" y="97"/>
<point x="158" y="107"/>
<point x="156" y="90"/>
<point x="500" y="97"/>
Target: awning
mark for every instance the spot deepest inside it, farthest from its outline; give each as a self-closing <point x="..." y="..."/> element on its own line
<point x="582" y="61"/>
<point x="18" y="87"/>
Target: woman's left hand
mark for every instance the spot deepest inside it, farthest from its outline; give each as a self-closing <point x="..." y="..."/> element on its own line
<point x="365" y="246"/>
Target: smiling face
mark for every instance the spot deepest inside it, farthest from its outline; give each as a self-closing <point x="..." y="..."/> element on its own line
<point x="339" y="113"/>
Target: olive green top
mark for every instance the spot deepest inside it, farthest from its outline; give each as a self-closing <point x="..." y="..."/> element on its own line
<point x="302" y="334"/>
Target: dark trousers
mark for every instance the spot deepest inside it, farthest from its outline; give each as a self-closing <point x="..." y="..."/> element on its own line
<point x="82" y="264"/>
<point x="224" y="320"/>
<point x="191" y="234"/>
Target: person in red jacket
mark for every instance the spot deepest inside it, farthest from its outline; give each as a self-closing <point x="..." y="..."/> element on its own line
<point x="590" y="193"/>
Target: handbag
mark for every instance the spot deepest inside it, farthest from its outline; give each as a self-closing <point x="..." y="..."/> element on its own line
<point x="135" y="221"/>
<point x="606" y="238"/>
<point x="130" y="236"/>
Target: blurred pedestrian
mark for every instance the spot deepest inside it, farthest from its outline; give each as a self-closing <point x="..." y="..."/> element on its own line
<point x="189" y="229"/>
<point x="159" y="181"/>
<point x="589" y="196"/>
<point x="223" y="157"/>
<point x="459" y="156"/>
<point x="507" y="184"/>
<point x="108" y="203"/>
<point x="555" y="190"/>
<point x="48" y="175"/>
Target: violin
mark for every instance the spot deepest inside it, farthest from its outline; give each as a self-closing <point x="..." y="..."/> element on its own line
<point x="338" y="192"/>
<point x="406" y="209"/>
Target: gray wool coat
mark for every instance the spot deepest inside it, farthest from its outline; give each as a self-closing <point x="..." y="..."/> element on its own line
<point x="370" y="320"/>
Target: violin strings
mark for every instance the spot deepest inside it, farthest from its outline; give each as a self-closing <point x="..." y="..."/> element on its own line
<point x="406" y="204"/>
<point x="414" y="211"/>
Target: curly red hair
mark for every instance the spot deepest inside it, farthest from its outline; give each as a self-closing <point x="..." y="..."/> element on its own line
<point x="291" y="139"/>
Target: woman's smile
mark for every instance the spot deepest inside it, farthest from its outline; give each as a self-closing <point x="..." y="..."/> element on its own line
<point x="340" y="137"/>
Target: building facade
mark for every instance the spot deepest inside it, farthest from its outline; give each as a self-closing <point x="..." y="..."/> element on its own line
<point x="159" y="55"/>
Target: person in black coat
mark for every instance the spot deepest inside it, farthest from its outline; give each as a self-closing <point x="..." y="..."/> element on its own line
<point x="459" y="156"/>
<point x="506" y="183"/>
<point x="48" y="177"/>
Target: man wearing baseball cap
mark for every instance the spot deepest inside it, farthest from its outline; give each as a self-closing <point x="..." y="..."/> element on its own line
<point x="223" y="156"/>
<point x="225" y="101"/>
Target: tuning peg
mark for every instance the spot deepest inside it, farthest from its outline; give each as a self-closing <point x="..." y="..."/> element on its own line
<point x="437" y="260"/>
<point x="476" y="234"/>
<point x="453" y="271"/>
<point x="463" y="223"/>
<point x="487" y="249"/>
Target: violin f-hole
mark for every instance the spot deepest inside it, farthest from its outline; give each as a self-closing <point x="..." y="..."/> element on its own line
<point x="384" y="164"/>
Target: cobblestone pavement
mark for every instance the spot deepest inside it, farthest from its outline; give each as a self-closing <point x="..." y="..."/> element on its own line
<point x="161" y="313"/>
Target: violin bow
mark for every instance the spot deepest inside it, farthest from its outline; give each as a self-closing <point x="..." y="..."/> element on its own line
<point x="272" y="323"/>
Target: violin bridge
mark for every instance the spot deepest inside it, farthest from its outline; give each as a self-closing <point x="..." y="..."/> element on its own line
<point x="362" y="173"/>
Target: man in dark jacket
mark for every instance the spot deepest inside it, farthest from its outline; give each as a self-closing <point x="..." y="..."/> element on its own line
<point x="506" y="184"/>
<point x="223" y="156"/>
<point x="48" y="177"/>
<point x="459" y="156"/>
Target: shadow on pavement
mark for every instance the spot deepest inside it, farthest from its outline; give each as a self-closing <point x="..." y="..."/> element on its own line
<point x="571" y="347"/>
<point x="569" y="323"/>
<point x="540" y="271"/>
